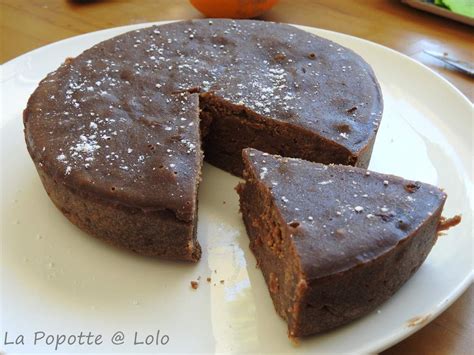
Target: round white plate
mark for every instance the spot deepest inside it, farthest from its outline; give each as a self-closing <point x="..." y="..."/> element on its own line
<point x="57" y="280"/>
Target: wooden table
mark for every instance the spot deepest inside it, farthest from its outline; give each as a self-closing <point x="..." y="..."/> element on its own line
<point x="29" y="24"/>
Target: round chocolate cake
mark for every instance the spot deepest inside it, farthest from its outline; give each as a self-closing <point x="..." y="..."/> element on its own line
<point x="117" y="134"/>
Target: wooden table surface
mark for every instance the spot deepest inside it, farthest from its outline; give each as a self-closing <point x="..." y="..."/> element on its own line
<point x="29" y="24"/>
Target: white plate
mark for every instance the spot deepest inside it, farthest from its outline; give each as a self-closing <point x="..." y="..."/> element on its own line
<point x="58" y="280"/>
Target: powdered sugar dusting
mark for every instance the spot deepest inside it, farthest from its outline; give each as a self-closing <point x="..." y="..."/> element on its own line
<point x="107" y="97"/>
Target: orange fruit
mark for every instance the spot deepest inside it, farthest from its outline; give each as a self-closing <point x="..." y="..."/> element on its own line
<point x="233" y="8"/>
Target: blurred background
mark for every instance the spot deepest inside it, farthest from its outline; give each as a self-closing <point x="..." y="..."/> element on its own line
<point x="29" y="24"/>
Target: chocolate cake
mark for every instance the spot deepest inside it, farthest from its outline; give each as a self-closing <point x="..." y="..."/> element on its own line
<point x="117" y="133"/>
<point x="334" y="242"/>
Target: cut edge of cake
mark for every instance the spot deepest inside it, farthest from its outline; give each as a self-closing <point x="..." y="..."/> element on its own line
<point x="313" y="300"/>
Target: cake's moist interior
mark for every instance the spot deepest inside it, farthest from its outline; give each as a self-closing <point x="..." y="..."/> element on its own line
<point x="270" y="241"/>
<point x="227" y="128"/>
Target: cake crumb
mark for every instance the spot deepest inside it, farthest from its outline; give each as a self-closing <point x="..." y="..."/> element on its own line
<point x="221" y="281"/>
<point x="418" y="320"/>
<point x="194" y="285"/>
<point x="208" y="279"/>
<point x="445" y="223"/>
<point x="294" y="340"/>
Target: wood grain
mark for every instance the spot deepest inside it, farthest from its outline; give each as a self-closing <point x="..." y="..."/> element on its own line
<point x="29" y="24"/>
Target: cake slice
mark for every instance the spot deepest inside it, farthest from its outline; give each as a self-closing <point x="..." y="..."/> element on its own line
<point x="334" y="242"/>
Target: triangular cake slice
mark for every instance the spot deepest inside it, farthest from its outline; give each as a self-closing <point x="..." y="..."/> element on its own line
<point x="334" y="242"/>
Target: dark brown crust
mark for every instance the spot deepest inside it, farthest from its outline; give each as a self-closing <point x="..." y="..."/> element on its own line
<point x="352" y="201"/>
<point x="119" y="123"/>
<point x="154" y="233"/>
<point x="341" y="298"/>
<point x="311" y="297"/>
<point x="226" y="63"/>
